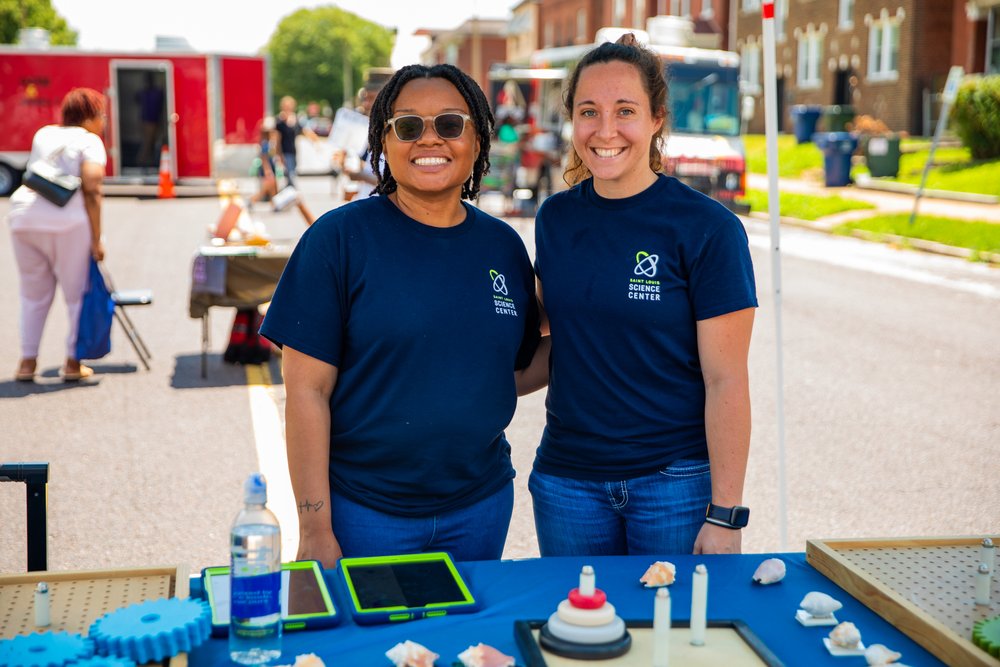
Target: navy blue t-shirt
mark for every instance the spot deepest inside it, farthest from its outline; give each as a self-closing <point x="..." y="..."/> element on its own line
<point x="426" y="326"/>
<point x="624" y="283"/>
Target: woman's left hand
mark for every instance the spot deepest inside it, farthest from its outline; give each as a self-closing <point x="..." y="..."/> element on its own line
<point x="714" y="539"/>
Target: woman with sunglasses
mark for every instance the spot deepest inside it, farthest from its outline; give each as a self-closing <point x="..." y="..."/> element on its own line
<point x="649" y="295"/>
<point x="403" y="318"/>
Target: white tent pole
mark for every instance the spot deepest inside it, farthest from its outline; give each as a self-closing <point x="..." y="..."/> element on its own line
<point x="771" y="133"/>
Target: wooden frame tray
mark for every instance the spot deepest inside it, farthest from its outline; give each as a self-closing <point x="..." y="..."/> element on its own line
<point x="729" y="642"/>
<point x="924" y="586"/>
<point x="79" y="598"/>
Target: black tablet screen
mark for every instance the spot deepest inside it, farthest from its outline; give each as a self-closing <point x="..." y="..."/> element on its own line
<point x="409" y="585"/>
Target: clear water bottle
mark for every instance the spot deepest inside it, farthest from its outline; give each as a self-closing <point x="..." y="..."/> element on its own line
<point x="255" y="592"/>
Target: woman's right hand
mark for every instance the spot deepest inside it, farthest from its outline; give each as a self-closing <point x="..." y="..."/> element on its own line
<point x="322" y="547"/>
<point x="97" y="250"/>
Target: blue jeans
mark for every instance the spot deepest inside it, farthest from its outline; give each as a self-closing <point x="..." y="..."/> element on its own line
<point x="477" y="532"/>
<point x="290" y="165"/>
<point x="656" y="514"/>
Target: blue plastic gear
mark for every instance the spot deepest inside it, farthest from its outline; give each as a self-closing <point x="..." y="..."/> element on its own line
<point x="154" y="630"/>
<point x="46" y="649"/>
<point x="102" y="661"/>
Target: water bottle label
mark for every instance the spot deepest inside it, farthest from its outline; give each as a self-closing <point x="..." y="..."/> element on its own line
<point x="255" y="596"/>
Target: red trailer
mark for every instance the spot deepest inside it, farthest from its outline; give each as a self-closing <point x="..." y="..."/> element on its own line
<point x="206" y="108"/>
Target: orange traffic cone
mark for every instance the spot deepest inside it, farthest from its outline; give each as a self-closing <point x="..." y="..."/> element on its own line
<point x="166" y="189"/>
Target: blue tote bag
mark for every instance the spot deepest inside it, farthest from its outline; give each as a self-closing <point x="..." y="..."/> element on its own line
<point x="93" y="340"/>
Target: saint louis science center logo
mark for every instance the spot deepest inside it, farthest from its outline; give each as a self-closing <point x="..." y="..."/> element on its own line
<point x="645" y="264"/>
<point x="499" y="282"/>
<point x="502" y="303"/>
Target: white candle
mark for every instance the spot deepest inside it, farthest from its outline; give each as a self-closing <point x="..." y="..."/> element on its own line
<point x="699" y="605"/>
<point x="661" y="628"/>
<point x="986" y="552"/>
<point x="42" y="618"/>
<point x="983" y="580"/>
<point x="587" y="581"/>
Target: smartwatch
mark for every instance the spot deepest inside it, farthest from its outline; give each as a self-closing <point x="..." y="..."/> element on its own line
<point x="733" y="518"/>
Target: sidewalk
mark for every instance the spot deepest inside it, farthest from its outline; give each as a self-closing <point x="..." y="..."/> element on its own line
<point x="886" y="203"/>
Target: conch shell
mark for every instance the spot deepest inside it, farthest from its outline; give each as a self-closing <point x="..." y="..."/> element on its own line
<point x="878" y="654"/>
<point x="484" y="655"/>
<point x="771" y="571"/>
<point x="411" y="654"/>
<point x="819" y="604"/>
<point x="660" y="573"/>
<point x="306" y="660"/>
<point x="845" y="635"/>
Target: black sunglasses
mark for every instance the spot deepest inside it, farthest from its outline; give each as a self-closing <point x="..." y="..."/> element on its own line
<point x="448" y="126"/>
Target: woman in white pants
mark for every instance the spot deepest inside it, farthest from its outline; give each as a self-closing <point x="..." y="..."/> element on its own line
<point x="52" y="244"/>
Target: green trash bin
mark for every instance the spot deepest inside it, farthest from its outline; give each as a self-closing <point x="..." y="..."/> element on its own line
<point x="882" y="155"/>
<point x="837" y="116"/>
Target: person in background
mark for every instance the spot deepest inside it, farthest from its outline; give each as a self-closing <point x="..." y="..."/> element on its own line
<point x="287" y="128"/>
<point x="266" y="171"/>
<point x="152" y="105"/>
<point x="53" y="245"/>
<point x="649" y="293"/>
<point x="408" y="321"/>
<point x="359" y="168"/>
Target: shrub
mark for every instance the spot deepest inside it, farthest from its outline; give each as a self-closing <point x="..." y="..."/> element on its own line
<point x="976" y="116"/>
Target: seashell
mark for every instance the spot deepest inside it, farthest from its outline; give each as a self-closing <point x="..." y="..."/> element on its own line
<point x="306" y="660"/>
<point x="484" y="655"/>
<point x="411" y="654"/>
<point x="771" y="571"/>
<point x="660" y="573"/>
<point x="845" y="635"/>
<point x="878" y="654"/>
<point x="819" y="604"/>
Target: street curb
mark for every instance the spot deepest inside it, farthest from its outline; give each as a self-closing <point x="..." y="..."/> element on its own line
<point x="902" y="241"/>
<point x="865" y="182"/>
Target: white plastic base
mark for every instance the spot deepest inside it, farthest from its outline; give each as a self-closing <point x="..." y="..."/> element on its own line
<point x="808" y="620"/>
<point x="840" y="651"/>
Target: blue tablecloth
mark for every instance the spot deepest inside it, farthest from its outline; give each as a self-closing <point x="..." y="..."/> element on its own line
<point x="531" y="589"/>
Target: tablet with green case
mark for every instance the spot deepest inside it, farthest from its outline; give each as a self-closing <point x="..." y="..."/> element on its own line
<point x="388" y="589"/>
<point x="306" y="602"/>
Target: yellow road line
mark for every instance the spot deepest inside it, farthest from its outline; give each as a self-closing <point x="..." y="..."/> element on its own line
<point x="269" y="437"/>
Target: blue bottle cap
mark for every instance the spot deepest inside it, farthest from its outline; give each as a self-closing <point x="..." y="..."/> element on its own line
<point x="255" y="489"/>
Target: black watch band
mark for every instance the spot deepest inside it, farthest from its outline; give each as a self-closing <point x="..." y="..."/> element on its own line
<point x="733" y="518"/>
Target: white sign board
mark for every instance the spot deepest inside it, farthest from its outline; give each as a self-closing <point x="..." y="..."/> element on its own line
<point x="349" y="132"/>
<point x="951" y="85"/>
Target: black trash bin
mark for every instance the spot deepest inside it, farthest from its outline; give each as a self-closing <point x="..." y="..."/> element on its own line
<point x="882" y="155"/>
<point x="804" y="119"/>
<point x="837" y="149"/>
<point x="837" y="116"/>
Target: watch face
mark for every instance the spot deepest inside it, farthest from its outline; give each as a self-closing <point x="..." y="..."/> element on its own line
<point x="741" y="515"/>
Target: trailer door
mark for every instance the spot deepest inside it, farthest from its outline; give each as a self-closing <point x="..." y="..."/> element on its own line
<point x="141" y="122"/>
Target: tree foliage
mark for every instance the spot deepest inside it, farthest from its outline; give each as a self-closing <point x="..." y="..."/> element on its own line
<point x="976" y="116"/>
<point x="309" y="47"/>
<point x="17" y="14"/>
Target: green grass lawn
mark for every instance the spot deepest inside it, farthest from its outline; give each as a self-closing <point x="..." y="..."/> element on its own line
<point x="804" y="207"/>
<point x="953" y="167"/>
<point x="978" y="236"/>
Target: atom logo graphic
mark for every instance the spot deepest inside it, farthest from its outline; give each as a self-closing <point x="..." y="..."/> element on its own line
<point x="645" y="264"/>
<point x="499" y="282"/>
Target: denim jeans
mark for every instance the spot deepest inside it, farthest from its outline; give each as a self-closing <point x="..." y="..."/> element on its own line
<point x="656" y="514"/>
<point x="290" y="167"/>
<point x="477" y="532"/>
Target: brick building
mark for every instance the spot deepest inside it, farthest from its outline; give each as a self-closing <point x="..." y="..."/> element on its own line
<point x="472" y="47"/>
<point x="883" y="57"/>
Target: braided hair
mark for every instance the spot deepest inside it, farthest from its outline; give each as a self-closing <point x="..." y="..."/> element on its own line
<point x="650" y="71"/>
<point x="479" y="109"/>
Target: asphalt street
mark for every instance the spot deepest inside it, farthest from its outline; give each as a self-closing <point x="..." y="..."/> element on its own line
<point x="891" y="402"/>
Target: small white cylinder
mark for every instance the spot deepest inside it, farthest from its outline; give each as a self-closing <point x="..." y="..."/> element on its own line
<point x="42" y="616"/>
<point x="983" y="580"/>
<point x="699" y="605"/>
<point x="661" y="628"/>
<point x="986" y="552"/>
<point x="587" y="581"/>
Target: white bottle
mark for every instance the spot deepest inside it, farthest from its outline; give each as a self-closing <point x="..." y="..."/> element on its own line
<point x="255" y="586"/>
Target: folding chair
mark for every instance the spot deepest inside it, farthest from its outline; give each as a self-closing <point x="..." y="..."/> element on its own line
<point x="35" y="476"/>
<point x="124" y="299"/>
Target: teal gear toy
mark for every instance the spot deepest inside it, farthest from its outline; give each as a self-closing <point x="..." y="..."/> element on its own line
<point x="154" y="630"/>
<point x="46" y="649"/>
<point x="102" y="661"/>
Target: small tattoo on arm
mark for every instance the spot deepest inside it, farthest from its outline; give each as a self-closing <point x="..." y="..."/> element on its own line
<point x="306" y="506"/>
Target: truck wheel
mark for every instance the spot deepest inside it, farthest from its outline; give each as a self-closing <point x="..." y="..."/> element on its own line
<point x="10" y="178"/>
